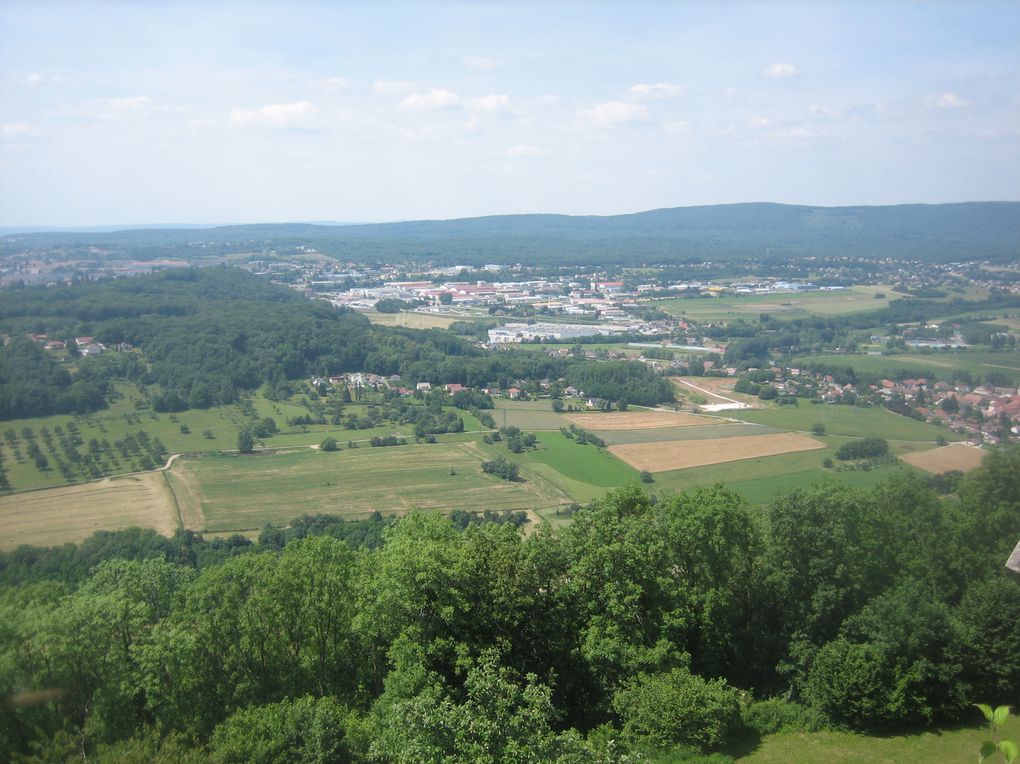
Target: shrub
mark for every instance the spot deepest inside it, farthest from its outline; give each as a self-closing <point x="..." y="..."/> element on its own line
<point x="677" y="708"/>
<point x="865" y="448"/>
<point x="767" y="717"/>
<point x="329" y="444"/>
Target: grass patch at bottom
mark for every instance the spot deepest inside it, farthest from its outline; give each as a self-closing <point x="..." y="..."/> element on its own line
<point x="960" y="744"/>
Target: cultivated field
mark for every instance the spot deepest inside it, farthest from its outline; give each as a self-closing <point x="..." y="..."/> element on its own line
<point x="73" y="513"/>
<point x="719" y="429"/>
<point x="956" y="457"/>
<point x="638" y="420"/>
<point x="244" y="492"/>
<point x="716" y="391"/>
<point x="678" y="455"/>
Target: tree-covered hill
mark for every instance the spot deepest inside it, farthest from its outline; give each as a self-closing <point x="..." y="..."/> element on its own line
<point x="206" y="336"/>
<point x="932" y="233"/>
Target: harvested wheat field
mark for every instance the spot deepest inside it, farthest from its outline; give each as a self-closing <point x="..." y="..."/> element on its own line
<point x="73" y="513"/>
<point x="681" y="454"/>
<point x="955" y="457"/>
<point x="638" y="420"/>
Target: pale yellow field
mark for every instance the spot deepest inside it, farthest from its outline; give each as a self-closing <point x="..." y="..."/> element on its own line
<point x="955" y="457"/>
<point x="73" y="513"/>
<point x="638" y="420"/>
<point x="412" y="320"/>
<point x="681" y="454"/>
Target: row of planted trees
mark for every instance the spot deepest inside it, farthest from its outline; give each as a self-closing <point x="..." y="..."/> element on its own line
<point x="645" y="625"/>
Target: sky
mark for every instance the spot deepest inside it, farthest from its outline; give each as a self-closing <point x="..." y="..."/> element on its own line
<point x="234" y="112"/>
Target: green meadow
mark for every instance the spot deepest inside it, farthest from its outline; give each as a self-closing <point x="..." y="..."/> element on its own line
<point x="940" y="365"/>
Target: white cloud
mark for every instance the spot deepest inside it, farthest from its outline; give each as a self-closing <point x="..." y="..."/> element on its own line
<point x="759" y="122"/>
<point x="797" y="134"/>
<point x="678" y="127"/>
<point x="392" y="87"/>
<point x="480" y="63"/>
<point x="523" y="150"/>
<point x="129" y="103"/>
<point x="951" y="101"/>
<point x="14" y="129"/>
<point x="335" y="83"/>
<point x="658" y="90"/>
<point x="297" y="114"/>
<point x="615" y="113"/>
<point x="822" y="112"/>
<point x="490" y="103"/>
<point x="779" y="71"/>
<point x="435" y="98"/>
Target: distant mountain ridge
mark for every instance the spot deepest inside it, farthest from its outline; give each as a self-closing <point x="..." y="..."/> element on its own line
<point x="932" y="233"/>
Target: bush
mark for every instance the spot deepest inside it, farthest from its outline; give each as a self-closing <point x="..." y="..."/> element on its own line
<point x="646" y="477"/>
<point x="677" y="708"/>
<point x="865" y="448"/>
<point x="500" y="467"/>
<point x="818" y="428"/>
<point x="329" y="444"/>
<point x="767" y="717"/>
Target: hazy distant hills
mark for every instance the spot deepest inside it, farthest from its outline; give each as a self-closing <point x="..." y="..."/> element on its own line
<point x="932" y="233"/>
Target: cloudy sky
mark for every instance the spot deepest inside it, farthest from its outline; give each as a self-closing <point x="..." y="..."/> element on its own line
<point x="229" y="112"/>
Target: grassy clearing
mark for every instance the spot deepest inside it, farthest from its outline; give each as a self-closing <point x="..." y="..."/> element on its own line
<point x="247" y="492"/>
<point x="528" y="415"/>
<point x="845" y="420"/>
<point x="73" y="513"/>
<point x="949" y="745"/>
<point x="414" y="320"/>
<point x="856" y="299"/>
<point x="939" y="365"/>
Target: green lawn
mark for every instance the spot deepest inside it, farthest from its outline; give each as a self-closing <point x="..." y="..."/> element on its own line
<point x="954" y="746"/>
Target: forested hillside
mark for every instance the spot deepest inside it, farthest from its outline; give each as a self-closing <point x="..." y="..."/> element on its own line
<point x="202" y="337"/>
<point x="677" y="624"/>
<point x="932" y="233"/>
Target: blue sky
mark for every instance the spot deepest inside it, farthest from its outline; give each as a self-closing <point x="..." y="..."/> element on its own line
<point x="177" y="112"/>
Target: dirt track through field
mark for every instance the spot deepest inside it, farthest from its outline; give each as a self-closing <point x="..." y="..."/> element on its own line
<point x="73" y="513"/>
<point x="955" y="457"/>
<point x="681" y="454"/>
<point x="638" y="420"/>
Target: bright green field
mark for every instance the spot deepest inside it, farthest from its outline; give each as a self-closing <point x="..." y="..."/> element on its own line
<point x="939" y="365"/>
<point x="582" y="472"/>
<point x="949" y="745"/>
<point x="845" y="420"/>
<point x="853" y="300"/>
<point x="244" y="492"/>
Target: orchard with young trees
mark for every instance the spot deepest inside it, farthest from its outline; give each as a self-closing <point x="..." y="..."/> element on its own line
<point x="644" y="626"/>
